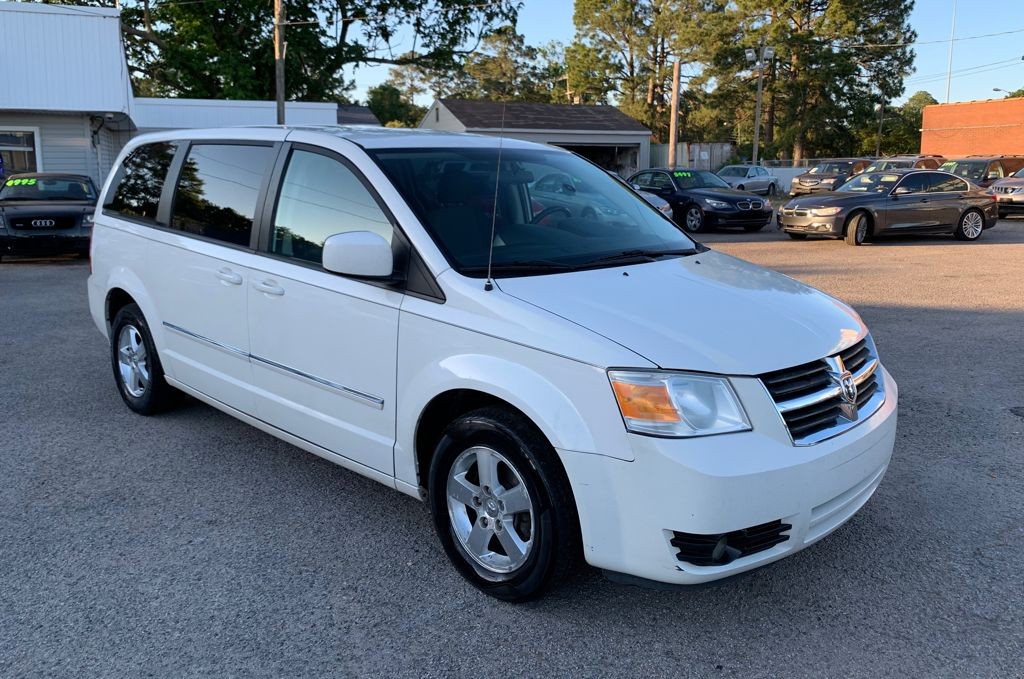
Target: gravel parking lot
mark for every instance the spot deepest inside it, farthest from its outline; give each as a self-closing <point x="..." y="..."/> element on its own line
<point x="192" y="544"/>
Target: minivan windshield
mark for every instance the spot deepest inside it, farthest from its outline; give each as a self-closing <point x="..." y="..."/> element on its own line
<point x="551" y="211"/>
<point x="47" y="188"/>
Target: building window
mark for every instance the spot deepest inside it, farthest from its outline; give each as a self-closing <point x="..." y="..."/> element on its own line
<point x="17" y="152"/>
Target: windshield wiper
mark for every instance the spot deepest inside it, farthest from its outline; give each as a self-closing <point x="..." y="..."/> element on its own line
<point x="522" y="265"/>
<point x="650" y="255"/>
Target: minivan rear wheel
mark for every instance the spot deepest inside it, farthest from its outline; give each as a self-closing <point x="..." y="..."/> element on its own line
<point x="137" y="370"/>
<point x="502" y="506"/>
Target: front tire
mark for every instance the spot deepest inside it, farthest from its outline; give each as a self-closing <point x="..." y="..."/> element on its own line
<point x="693" y="219"/>
<point x="137" y="370"/>
<point x="857" y="229"/>
<point x="970" y="226"/>
<point x="502" y="505"/>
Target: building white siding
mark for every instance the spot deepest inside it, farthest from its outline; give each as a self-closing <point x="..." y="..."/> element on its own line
<point x="61" y="58"/>
<point x="64" y="142"/>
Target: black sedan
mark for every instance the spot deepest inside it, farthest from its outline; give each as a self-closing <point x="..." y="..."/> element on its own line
<point x="46" y="213"/>
<point x="702" y="200"/>
<point x="895" y="202"/>
<point x="827" y="175"/>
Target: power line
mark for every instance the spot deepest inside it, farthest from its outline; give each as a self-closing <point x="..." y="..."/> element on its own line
<point x="938" y="42"/>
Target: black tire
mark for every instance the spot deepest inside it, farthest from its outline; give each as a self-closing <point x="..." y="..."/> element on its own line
<point x="740" y="188"/>
<point x="156" y="395"/>
<point x="797" y="236"/>
<point x="772" y="190"/>
<point x="698" y="222"/>
<point x="554" y="527"/>
<point x="857" y="229"/>
<point x="967" y="226"/>
<point x="750" y="228"/>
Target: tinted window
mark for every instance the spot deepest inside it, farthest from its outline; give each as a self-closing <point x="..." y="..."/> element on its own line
<point x="319" y="198"/>
<point x="698" y="179"/>
<point x="140" y="180"/>
<point x="969" y="169"/>
<point x="474" y="208"/>
<point x="870" y="182"/>
<point x="217" y="191"/>
<point x="942" y="183"/>
<point x="916" y="183"/>
<point x="48" y="188"/>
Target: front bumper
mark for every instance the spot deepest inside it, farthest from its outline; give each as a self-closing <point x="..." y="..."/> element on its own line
<point x="718" y="484"/>
<point x="737" y="217"/>
<point x="801" y="190"/>
<point x="1010" y="203"/>
<point x="811" y="225"/>
<point x="44" y="244"/>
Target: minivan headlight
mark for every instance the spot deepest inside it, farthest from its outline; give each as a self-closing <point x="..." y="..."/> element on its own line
<point x="677" y="404"/>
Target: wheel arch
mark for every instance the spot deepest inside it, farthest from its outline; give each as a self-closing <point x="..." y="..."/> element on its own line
<point x="862" y="211"/>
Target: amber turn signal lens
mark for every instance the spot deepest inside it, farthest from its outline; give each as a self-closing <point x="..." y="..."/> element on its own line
<point x="645" y="402"/>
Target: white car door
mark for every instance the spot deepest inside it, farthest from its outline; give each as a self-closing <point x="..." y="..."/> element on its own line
<point x="323" y="346"/>
<point x="198" y="268"/>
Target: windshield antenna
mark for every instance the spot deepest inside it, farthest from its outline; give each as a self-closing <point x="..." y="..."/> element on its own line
<point x="489" y="284"/>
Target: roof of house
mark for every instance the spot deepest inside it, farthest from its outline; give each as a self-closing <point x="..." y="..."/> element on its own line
<point x="354" y="114"/>
<point x="487" y="115"/>
<point x="62" y="58"/>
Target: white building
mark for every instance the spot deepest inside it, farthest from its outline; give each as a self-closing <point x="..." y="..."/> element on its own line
<point x="603" y="134"/>
<point x="66" y="102"/>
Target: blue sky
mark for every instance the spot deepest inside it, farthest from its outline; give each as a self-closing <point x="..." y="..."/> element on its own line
<point x="979" y="65"/>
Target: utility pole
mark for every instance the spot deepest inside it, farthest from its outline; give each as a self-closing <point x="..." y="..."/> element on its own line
<point x="279" y="48"/>
<point x="949" y="62"/>
<point x="758" y="58"/>
<point x="673" y="124"/>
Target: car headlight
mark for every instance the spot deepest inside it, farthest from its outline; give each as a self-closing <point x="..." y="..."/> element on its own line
<point x="717" y="204"/>
<point x="825" y="211"/>
<point x="676" y="404"/>
<point x="87" y="221"/>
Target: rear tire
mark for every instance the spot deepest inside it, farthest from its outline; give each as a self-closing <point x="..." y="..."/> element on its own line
<point x="137" y="370"/>
<point x="502" y="505"/>
<point x="970" y="225"/>
<point x="857" y="229"/>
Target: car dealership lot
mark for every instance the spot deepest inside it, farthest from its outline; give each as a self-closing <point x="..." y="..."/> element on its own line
<point x="192" y="543"/>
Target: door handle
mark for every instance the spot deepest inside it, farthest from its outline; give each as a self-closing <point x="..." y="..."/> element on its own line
<point x="269" y="287"/>
<point x="229" y="276"/>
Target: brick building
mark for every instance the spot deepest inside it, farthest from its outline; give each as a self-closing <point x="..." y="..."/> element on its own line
<point x="993" y="126"/>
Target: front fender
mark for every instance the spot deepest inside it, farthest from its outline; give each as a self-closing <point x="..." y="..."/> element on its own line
<point x="570" y="402"/>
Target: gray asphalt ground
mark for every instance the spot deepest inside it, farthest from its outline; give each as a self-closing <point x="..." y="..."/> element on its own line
<point x="193" y="545"/>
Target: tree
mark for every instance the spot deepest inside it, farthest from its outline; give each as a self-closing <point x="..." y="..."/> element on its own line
<point x="224" y="49"/>
<point x="392" y="108"/>
<point x="900" y="130"/>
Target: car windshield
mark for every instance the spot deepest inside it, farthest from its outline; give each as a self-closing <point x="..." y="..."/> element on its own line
<point x="733" y="171"/>
<point x="1018" y="174"/>
<point x="47" y="188"/>
<point x="551" y="210"/>
<point x="970" y="169"/>
<point x="880" y="165"/>
<point x="870" y="182"/>
<point x="830" y="168"/>
<point x="698" y="179"/>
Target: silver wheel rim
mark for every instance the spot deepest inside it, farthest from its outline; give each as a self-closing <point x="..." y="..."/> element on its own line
<point x="693" y="219"/>
<point x="972" y="225"/>
<point x="490" y="510"/>
<point x="132" y="361"/>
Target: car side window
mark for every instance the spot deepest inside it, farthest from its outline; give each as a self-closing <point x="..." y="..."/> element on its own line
<point x="660" y="180"/>
<point x="916" y="183"/>
<point x="319" y="197"/>
<point x="217" y="191"/>
<point x="946" y="184"/>
<point x="140" y="180"/>
<point x="643" y="180"/>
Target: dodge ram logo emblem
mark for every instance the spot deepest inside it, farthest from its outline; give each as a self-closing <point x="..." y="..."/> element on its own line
<point x="43" y="222"/>
<point x="847" y="387"/>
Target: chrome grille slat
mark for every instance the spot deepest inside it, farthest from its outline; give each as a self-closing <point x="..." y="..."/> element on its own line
<point x="810" y="400"/>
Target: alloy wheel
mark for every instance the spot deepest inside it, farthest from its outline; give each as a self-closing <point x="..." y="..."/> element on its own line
<point x="694" y="219"/>
<point x="133" y="361"/>
<point x="972" y="225"/>
<point x="490" y="509"/>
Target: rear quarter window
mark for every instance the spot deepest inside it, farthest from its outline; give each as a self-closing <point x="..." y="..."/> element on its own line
<point x="139" y="182"/>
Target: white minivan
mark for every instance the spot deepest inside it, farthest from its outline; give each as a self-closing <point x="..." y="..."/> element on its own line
<point x="555" y="382"/>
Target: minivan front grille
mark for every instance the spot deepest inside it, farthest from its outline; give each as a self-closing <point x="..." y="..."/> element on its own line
<point x="811" y="399"/>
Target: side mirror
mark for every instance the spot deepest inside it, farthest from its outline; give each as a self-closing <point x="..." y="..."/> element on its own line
<point x="358" y="253"/>
<point x="900" y="191"/>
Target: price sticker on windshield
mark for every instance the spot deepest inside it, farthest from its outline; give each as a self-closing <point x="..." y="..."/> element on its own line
<point x="21" y="182"/>
<point x="682" y="173"/>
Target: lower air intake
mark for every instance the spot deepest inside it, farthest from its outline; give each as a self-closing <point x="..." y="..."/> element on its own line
<point x="719" y="549"/>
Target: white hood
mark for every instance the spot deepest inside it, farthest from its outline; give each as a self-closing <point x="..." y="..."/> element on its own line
<point x="707" y="312"/>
